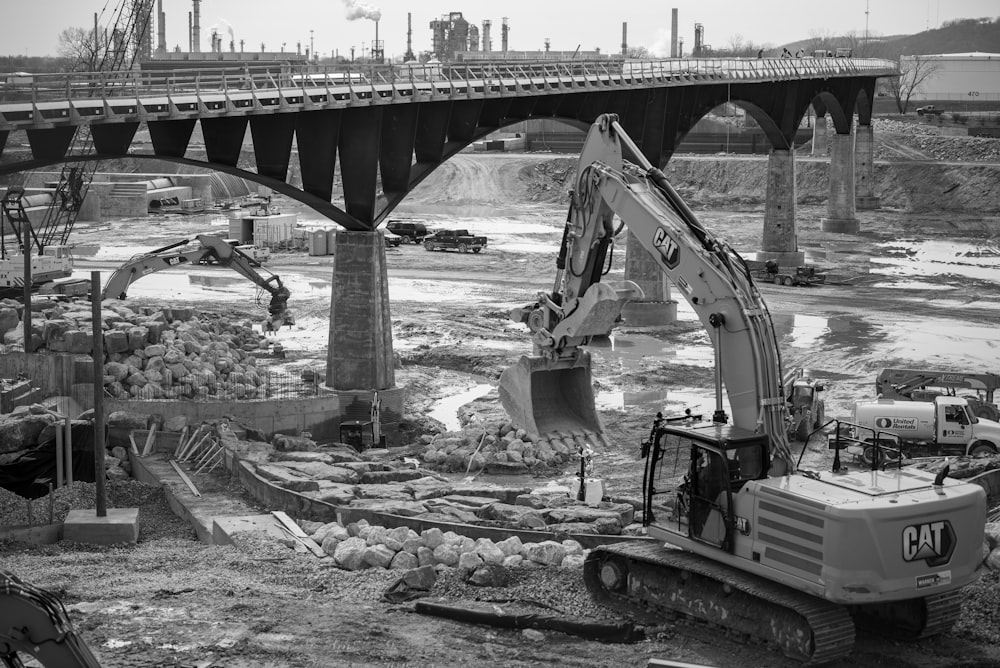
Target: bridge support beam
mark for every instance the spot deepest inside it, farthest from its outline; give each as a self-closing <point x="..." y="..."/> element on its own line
<point x="840" y="207"/>
<point x="779" y="241"/>
<point x="656" y="307"/>
<point x="819" y="142"/>
<point x="864" y="168"/>
<point x="359" y="359"/>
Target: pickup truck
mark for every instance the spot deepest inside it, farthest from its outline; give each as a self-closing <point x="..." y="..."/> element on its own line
<point x="929" y="110"/>
<point x="459" y="240"/>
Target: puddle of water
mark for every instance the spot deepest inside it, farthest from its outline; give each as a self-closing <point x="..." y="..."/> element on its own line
<point x="445" y="411"/>
<point x="935" y="258"/>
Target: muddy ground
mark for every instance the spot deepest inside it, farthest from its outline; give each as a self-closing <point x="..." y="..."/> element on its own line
<point x="908" y="289"/>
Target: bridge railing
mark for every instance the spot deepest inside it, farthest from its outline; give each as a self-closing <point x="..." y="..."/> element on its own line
<point x="137" y="84"/>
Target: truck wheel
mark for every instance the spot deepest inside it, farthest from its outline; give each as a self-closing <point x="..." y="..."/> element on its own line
<point x="406" y="240"/>
<point x="870" y="453"/>
<point x="787" y="280"/>
<point x="428" y="246"/>
<point x="463" y="248"/>
<point x="476" y="250"/>
<point x="982" y="449"/>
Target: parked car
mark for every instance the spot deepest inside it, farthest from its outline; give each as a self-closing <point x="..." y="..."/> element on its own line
<point x="929" y="110"/>
<point x="391" y="239"/>
<point x="411" y="232"/>
<point x="459" y="240"/>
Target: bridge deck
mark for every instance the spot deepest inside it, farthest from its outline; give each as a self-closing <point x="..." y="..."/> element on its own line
<point x="48" y="100"/>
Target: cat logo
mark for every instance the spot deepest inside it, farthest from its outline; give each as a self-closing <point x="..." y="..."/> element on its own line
<point x="669" y="250"/>
<point x="743" y="525"/>
<point x="932" y="542"/>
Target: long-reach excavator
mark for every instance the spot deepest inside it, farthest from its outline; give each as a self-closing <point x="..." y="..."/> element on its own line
<point x="791" y="557"/>
<point x="209" y="248"/>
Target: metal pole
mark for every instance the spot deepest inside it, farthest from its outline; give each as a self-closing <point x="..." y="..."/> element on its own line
<point x="59" y="453"/>
<point x="26" y="249"/>
<point x="68" y="449"/>
<point x="98" y="356"/>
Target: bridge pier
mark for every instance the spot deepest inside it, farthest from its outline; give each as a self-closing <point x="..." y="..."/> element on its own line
<point x="864" y="166"/>
<point x="840" y="207"/>
<point x="656" y="307"/>
<point x="779" y="241"/>
<point x="359" y="359"/>
<point x="819" y="143"/>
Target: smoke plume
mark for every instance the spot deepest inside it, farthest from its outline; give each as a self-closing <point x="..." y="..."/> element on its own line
<point x="362" y="10"/>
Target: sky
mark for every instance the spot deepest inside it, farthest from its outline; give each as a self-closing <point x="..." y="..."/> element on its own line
<point x="282" y="24"/>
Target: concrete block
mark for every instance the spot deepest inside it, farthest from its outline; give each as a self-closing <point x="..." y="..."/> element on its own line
<point x="120" y="525"/>
<point x="223" y="528"/>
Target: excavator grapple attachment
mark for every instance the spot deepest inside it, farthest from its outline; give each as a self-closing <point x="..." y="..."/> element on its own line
<point x="551" y="398"/>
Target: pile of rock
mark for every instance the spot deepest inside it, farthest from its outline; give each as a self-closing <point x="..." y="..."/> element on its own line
<point x="361" y="545"/>
<point x="151" y="353"/>
<point x="500" y="448"/>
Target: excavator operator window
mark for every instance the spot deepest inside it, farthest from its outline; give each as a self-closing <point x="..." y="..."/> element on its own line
<point x="667" y="476"/>
<point x="709" y="496"/>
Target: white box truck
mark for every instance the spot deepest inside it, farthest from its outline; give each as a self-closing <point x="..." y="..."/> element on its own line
<point x="947" y="424"/>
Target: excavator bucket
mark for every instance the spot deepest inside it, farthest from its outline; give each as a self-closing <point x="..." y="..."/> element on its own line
<point x="551" y="398"/>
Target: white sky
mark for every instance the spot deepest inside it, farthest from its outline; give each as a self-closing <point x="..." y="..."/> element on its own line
<point x="32" y="26"/>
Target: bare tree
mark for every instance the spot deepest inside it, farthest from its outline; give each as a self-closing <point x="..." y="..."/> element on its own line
<point x="81" y="50"/>
<point x="913" y="72"/>
<point x="638" y="52"/>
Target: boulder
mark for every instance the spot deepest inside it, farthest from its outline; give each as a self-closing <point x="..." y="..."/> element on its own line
<point x="329" y="545"/>
<point x="489" y="575"/>
<point x="516" y="516"/>
<point x="425" y="556"/>
<point x="403" y="561"/>
<point x="510" y="546"/>
<point x="432" y="537"/>
<point x="548" y="553"/>
<point x="390" y="506"/>
<point x="446" y="554"/>
<point x="489" y="552"/>
<point x="469" y="561"/>
<point x="378" y="556"/>
<point x="572" y="561"/>
<point x="421" y="578"/>
<point x="350" y="554"/>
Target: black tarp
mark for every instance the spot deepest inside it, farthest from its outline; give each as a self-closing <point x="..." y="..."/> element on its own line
<point x="30" y="474"/>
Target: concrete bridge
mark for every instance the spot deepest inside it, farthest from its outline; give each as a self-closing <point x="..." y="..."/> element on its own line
<point x="392" y="126"/>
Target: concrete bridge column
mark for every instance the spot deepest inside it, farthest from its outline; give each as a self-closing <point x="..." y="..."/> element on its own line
<point x="359" y="359"/>
<point x="840" y="206"/>
<point x="819" y="143"/>
<point x="864" y="169"/>
<point x="656" y="307"/>
<point x="779" y="241"/>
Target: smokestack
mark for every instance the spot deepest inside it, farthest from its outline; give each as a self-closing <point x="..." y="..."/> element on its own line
<point x="673" y="33"/>
<point x="190" y="34"/>
<point x="161" y="28"/>
<point x="409" y="37"/>
<point x="487" y="40"/>
<point x="196" y="27"/>
<point x="504" y="30"/>
<point x="624" y="39"/>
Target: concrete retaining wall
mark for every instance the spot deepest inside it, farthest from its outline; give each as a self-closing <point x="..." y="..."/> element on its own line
<point x="318" y="415"/>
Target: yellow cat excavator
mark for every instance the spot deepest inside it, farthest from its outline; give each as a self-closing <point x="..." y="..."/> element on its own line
<point x="747" y="541"/>
<point x="33" y="621"/>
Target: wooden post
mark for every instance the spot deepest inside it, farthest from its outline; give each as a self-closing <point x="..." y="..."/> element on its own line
<point x="26" y="248"/>
<point x="59" y="455"/>
<point x="68" y="450"/>
<point x="98" y="356"/>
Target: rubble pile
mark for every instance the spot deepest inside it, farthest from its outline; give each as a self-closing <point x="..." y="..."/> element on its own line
<point x="927" y="139"/>
<point x="153" y="353"/>
<point x="361" y="545"/>
<point x="499" y="449"/>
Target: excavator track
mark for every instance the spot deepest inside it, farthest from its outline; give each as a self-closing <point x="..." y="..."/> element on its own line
<point x="646" y="580"/>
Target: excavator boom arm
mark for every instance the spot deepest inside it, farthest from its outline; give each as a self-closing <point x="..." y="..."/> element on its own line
<point x="712" y="277"/>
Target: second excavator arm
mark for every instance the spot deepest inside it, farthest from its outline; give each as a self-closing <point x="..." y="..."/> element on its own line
<point x="210" y="247"/>
<point x="713" y="278"/>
